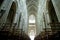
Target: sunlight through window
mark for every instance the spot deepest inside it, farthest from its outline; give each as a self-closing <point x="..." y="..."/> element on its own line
<point x="32" y="19"/>
<point x="32" y="27"/>
<point x="32" y="35"/>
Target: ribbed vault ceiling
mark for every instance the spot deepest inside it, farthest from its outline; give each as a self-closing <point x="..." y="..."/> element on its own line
<point x="32" y="6"/>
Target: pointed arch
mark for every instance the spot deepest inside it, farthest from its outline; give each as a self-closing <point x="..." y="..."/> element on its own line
<point x="32" y="19"/>
<point x="52" y="13"/>
<point x="12" y="13"/>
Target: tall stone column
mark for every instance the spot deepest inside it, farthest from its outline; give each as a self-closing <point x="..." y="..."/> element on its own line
<point x="5" y="6"/>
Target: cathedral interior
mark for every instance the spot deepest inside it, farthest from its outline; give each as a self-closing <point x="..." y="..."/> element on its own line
<point x="29" y="20"/>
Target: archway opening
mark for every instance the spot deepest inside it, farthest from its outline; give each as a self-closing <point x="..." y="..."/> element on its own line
<point x="52" y="12"/>
<point x="12" y="13"/>
<point x="32" y="27"/>
<point x="31" y="19"/>
<point x="53" y="16"/>
<point x="10" y="18"/>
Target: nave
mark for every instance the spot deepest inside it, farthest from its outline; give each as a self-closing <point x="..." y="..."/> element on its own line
<point x="29" y="20"/>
